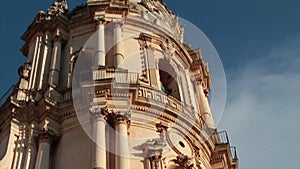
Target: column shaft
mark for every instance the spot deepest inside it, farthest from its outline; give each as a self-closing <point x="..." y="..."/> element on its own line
<point x="118" y="44"/>
<point x="55" y="63"/>
<point x="35" y="61"/>
<point x="100" y="147"/>
<point x="43" y="157"/>
<point x="122" y="149"/>
<point x="100" y="55"/>
<point x="44" y="64"/>
<point x="31" y="150"/>
<point x="206" y="109"/>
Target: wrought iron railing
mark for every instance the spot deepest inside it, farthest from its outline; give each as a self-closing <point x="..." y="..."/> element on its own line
<point x="233" y="152"/>
<point x="221" y="138"/>
<point x="6" y="95"/>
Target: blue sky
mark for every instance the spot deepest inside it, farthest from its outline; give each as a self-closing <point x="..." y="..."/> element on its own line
<point x="259" y="44"/>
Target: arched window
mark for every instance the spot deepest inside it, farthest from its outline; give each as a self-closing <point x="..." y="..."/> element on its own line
<point x="168" y="79"/>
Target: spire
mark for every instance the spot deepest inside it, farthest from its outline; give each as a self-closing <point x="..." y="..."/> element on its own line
<point x="58" y="7"/>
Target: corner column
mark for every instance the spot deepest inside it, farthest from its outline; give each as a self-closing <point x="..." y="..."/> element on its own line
<point x="99" y="116"/>
<point x="121" y="122"/>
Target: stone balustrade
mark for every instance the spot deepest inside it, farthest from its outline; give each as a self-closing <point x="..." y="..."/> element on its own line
<point x="120" y="76"/>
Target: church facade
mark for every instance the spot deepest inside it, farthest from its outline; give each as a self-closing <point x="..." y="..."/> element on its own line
<point x="111" y="85"/>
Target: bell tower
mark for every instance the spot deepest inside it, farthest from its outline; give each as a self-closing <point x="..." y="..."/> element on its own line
<point x="111" y="84"/>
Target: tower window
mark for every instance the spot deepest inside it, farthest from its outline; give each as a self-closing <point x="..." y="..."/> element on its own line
<point x="168" y="79"/>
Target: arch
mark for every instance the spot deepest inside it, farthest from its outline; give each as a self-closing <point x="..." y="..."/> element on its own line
<point x="168" y="77"/>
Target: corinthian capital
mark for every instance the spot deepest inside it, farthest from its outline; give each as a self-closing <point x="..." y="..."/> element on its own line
<point x="47" y="133"/>
<point x="121" y="117"/>
<point x="97" y="112"/>
<point x="118" y="23"/>
<point x="99" y="20"/>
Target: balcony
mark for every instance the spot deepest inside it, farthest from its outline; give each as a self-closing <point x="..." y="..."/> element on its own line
<point x="119" y="76"/>
<point x="223" y="149"/>
<point x="146" y="95"/>
<point x="220" y="138"/>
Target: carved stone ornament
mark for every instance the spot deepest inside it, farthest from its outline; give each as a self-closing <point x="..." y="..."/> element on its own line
<point x="58" y="7"/>
<point x="162" y="129"/>
<point x="47" y="133"/>
<point x="24" y="70"/>
<point x="99" y="20"/>
<point x="98" y="112"/>
<point x="148" y="5"/>
<point x="184" y="161"/>
<point x="121" y="117"/>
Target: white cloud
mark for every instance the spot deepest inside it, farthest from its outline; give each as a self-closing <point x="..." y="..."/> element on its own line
<point x="262" y="113"/>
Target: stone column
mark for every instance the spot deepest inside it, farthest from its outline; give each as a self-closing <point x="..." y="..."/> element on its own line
<point x="45" y="59"/>
<point x="205" y="107"/>
<point x="45" y="138"/>
<point x="43" y="157"/>
<point x="99" y="119"/>
<point x="34" y="54"/>
<point x="31" y="149"/>
<point x="100" y="53"/>
<point x="118" y="43"/>
<point x="121" y="122"/>
<point x="55" y="62"/>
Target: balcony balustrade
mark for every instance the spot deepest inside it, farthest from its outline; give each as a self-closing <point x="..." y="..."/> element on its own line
<point x="120" y="76"/>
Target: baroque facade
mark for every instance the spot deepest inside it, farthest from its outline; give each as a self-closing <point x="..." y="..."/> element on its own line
<point x="110" y="85"/>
